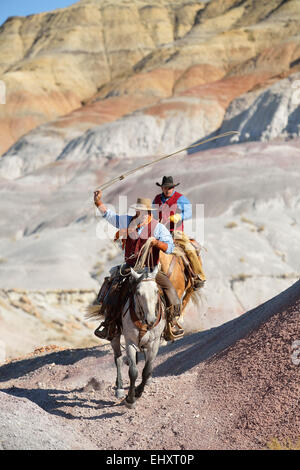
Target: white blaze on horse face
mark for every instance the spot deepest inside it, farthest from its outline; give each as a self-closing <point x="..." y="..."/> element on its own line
<point x="147" y="293"/>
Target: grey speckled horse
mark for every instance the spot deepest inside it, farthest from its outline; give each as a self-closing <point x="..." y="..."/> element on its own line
<point x="143" y="322"/>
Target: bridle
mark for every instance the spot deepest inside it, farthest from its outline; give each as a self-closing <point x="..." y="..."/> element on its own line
<point x="136" y="298"/>
<point x="134" y="305"/>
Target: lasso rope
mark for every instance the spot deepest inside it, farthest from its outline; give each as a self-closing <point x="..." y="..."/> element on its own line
<point x="141" y="257"/>
<point x="143" y="254"/>
<point x="130" y="172"/>
<point x="121" y="177"/>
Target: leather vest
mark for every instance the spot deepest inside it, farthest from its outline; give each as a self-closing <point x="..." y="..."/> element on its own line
<point x="168" y="208"/>
<point x="133" y="245"/>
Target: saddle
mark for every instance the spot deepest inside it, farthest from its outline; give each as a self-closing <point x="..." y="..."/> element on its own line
<point x="189" y="251"/>
<point x="112" y="297"/>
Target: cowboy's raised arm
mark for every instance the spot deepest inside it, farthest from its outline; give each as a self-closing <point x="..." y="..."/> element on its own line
<point x="118" y="221"/>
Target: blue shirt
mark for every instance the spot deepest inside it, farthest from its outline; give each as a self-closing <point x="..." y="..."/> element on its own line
<point x="184" y="205"/>
<point x="161" y="233"/>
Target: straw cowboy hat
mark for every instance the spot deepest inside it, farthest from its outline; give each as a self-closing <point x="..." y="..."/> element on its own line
<point x="168" y="182"/>
<point x="143" y="204"/>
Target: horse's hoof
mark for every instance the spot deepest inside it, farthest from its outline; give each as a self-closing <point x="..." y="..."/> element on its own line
<point x="120" y="393"/>
<point x="138" y="394"/>
<point x="149" y="381"/>
<point x="131" y="406"/>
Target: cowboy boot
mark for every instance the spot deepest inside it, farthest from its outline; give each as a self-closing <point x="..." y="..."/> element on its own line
<point x="173" y="314"/>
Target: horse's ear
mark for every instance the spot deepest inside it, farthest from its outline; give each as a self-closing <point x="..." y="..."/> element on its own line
<point x="135" y="274"/>
<point x="154" y="272"/>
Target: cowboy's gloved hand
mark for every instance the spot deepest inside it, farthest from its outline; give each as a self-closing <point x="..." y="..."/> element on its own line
<point x="98" y="202"/>
<point x="175" y="218"/>
<point x="97" y="197"/>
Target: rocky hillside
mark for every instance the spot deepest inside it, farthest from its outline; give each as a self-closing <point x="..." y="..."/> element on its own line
<point x="88" y="99"/>
<point x="95" y="61"/>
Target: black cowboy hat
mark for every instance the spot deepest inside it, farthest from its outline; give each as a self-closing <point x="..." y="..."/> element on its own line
<point x="167" y="181"/>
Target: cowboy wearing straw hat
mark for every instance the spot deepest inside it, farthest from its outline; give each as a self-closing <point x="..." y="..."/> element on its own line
<point x="134" y="232"/>
<point x="173" y="209"/>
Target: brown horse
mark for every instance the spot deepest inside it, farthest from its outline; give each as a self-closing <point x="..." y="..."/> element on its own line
<point x="176" y="267"/>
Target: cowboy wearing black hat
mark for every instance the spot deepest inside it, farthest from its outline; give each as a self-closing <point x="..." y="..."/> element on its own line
<point x="173" y="209"/>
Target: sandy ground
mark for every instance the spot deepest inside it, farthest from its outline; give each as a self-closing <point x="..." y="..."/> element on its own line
<point x="203" y="396"/>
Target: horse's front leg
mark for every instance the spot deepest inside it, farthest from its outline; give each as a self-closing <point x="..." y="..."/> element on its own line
<point x="133" y="373"/>
<point x="150" y="357"/>
<point x="116" y="345"/>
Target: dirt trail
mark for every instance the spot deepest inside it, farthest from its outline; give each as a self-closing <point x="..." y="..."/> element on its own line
<point x="232" y="387"/>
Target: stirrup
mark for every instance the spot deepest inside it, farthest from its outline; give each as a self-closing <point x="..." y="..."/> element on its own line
<point x="176" y="328"/>
<point x="102" y="331"/>
<point x="170" y="333"/>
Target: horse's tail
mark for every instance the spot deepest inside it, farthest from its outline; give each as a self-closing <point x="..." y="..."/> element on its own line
<point x="93" y="312"/>
<point x="197" y="298"/>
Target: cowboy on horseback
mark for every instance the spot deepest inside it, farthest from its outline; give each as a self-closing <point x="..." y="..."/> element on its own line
<point x="170" y="202"/>
<point x="173" y="209"/>
<point x="134" y="232"/>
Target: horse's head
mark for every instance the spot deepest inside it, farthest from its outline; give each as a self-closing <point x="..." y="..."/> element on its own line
<point x="146" y="294"/>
